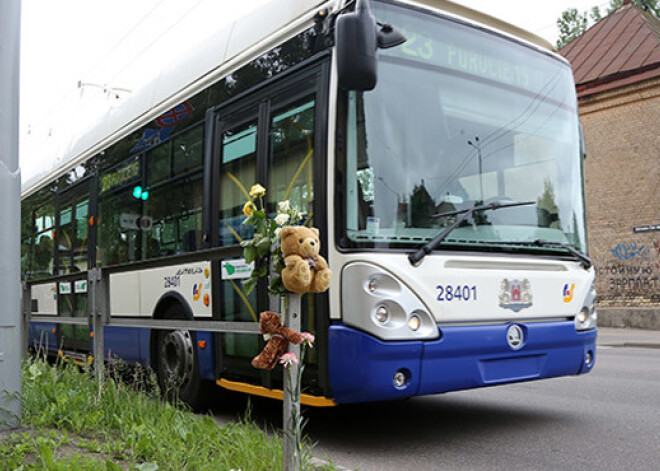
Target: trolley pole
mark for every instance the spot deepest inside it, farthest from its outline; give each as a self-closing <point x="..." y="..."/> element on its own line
<point x="10" y="191"/>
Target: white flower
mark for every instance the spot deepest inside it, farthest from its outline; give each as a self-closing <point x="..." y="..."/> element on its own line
<point x="283" y="206"/>
<point x="282" y="219"/>
<point x="277" y="232"/>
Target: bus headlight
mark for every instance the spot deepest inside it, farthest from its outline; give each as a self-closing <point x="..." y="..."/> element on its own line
<point x="375" y="301"/>
<point x="587" y="318"/>
<point x="414" y="322"/>
<point x="382" y="314"/>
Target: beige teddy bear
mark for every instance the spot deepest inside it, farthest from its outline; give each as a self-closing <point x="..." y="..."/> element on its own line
<point x="306" y="271"/>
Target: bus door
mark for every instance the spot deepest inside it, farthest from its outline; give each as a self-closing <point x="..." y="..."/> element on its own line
<point x="73" y="252"/>
<point x="271" y="137"/>
<point x="236" y="164"/>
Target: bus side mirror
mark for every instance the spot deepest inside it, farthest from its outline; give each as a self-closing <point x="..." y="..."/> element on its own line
<point x="356" y="40"/>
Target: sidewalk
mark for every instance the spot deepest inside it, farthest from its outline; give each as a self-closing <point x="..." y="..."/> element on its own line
<point x="628" y="337"/>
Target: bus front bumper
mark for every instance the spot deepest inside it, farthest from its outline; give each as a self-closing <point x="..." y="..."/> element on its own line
<point x="364" y="368"/>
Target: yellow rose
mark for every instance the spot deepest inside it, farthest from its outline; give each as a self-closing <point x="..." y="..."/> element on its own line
<point x="257" y="190"/>
<point x="249" y="208"/>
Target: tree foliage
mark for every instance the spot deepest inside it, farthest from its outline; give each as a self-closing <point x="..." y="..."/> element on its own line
<point x="573" y="23"/>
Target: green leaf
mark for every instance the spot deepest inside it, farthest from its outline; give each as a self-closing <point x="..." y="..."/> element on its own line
<point x="110" y="466"/>
<point x="249" y="253"/>
<point x="147" y="467"/>
<point x="263" y="247"/>
<point x="249" y="285"/>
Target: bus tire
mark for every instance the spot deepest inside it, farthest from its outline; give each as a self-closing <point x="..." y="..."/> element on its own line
<point x="176" y="364"/>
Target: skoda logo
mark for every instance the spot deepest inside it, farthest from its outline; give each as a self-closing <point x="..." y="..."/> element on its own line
<point x="514" y="335"/>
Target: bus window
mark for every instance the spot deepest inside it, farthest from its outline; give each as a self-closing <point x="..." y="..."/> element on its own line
<point x="173" y="218"/>
<point x="188" y="151"/>
<point x="118" y="228"/>
<point x="291" y="156"/>
<point x="237" y="175"/>
<point x="44" y="225"/>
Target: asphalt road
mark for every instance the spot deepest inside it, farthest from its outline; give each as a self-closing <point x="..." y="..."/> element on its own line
<point x="606" y="420"/>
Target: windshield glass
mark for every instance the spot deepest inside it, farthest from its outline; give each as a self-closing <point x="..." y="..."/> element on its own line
<point x="460" y="117"/>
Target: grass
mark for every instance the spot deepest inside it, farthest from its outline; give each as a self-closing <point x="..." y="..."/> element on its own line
<point x="69" y="425"/>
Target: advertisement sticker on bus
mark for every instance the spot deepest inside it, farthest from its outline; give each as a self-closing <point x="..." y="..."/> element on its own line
<point x="65" y="288"/>
<point x="236" y="269"/>
<point x="80" y="286"/>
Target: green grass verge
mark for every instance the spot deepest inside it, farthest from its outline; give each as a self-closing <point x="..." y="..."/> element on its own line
<point x="68" y="425"/>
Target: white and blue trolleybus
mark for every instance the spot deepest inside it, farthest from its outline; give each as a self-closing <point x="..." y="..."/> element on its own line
<point x="437" y="149"/>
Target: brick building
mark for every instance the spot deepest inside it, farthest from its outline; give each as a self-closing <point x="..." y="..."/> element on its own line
<point x="616" y="65"/>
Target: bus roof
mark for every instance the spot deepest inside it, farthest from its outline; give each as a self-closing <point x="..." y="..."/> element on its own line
<point x="231" y="46"/>
<point x="228" y="48"/>
<point x="491" y="22"/>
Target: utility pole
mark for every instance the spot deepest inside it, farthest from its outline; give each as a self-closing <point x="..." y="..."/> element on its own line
<point x="481" y="174"/>
<point x="10" y="190"/>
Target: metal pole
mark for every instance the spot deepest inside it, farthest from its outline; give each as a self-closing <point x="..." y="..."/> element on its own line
<point x="97" y="306"/>
<point x="291" y="406"/>
<point x="10" y="192"/>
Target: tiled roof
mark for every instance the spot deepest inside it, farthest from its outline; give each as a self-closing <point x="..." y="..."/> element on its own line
<point x="622" y="48"/>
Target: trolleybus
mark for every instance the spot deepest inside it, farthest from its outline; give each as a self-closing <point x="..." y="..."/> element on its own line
<point x="437" y="149"/>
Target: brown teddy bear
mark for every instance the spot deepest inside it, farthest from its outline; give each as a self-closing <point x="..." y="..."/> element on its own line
<point x="279" y="338"/>
<point x="306" y="271"/>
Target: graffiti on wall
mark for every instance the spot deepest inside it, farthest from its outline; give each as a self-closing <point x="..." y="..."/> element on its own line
<point x="630" y="251"/>
<point x="630" y="275"/>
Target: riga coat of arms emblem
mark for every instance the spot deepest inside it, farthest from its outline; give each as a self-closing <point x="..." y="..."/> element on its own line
<point x="515" y="294"/>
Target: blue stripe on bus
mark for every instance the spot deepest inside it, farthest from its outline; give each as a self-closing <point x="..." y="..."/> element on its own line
<point x="41" y="336"/>
<point x="205" y="356"/>
<point x="362" y="367"/>
<point x="126" y="343"/>
<point x="131" y="344"/>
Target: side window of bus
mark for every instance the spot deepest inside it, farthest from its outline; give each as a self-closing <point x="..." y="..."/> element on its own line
<point x="72" y="237"/>
<point x="291" y="156"/>
<point x="43" y="250"/>
<point x="173" y="211"/>
<point x="237" y="175"/>
<point x="118" y="227"/>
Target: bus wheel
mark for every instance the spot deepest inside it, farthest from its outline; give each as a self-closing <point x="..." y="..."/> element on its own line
<point x="177" y="367"/>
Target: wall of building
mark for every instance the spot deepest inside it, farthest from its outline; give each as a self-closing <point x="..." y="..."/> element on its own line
<point x="622" y="174"/>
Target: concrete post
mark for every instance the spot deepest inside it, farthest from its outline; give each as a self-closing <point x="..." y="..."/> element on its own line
<point x="26" y="301"/>
<point x="10" y="192"/>
<point x="291" y="406"/>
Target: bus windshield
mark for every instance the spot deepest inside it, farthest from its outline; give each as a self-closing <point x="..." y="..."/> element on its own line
<point x="462" y="117"/>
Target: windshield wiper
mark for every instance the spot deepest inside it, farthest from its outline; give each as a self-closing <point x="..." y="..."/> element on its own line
<point x="584" y="260"/>
<point x="424" y="250"/>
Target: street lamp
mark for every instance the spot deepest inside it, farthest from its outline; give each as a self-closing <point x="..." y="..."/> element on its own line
<point x="481" y="178"/>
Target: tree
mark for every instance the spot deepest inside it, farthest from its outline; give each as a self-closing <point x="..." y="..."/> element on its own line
<point x="572" y="23"/>
<point x="651" y="6"/>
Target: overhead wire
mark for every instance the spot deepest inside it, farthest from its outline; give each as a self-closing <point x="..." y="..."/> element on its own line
<point x="44" y="117"/>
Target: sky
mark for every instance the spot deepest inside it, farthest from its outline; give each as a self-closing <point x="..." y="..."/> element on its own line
<point x="79" y="57"/>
